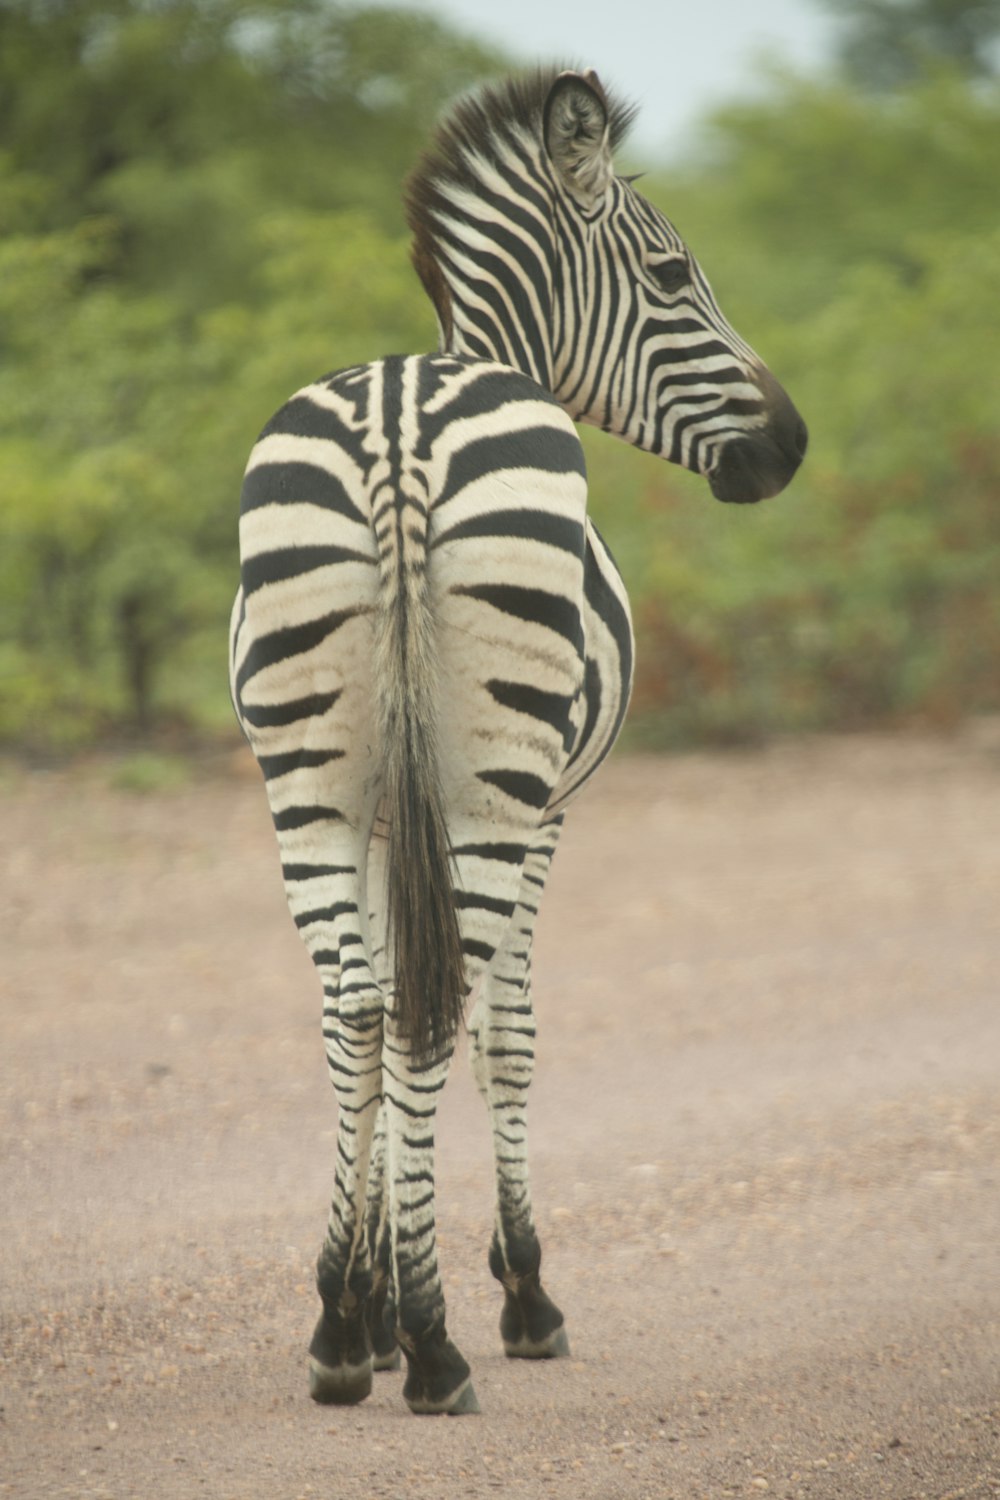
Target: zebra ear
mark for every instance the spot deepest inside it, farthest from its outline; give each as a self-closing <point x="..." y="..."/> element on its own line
<point x="577" y="137"/>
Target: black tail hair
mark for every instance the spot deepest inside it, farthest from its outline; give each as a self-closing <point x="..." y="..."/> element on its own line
<point x="425" y="942"/>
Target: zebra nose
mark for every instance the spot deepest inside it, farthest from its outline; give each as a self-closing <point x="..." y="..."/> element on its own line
<point x="800" y="440"/>
<point x="760" y="463"/>
<point x="785" y="427"/>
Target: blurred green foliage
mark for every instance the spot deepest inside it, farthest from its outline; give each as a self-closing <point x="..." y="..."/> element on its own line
<point x="883" y="44"/>
<point x="855" y="242"/>
<point x="200" y="211"/>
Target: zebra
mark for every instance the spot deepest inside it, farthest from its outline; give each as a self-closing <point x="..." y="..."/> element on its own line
<point x="431" y="654"/>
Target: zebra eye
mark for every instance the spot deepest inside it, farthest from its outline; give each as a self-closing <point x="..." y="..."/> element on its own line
<point x="671" y="275"/>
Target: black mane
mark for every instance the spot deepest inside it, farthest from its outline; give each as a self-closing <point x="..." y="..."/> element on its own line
<point x="476" y="126"/>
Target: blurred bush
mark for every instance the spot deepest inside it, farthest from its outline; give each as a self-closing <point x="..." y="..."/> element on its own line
<point x="855" y="242"/>
<point x="200" y="211"/>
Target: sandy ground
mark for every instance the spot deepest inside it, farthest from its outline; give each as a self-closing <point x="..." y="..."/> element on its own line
<point x="766" y="1144"/>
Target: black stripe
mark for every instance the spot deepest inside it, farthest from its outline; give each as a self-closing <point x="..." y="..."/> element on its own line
<point x="291" y="562"/>
<point x="628" y="390"/>
<point x="296" y="483"/>
<point x="523" y="786"/>
<point x="484" y="388"/>
<point x="328" y="956"/>
<point x="549" y="708"/>
<point x="301" y="817"/>
<point x="534" y="606"/>
<point x="696" y="353"/>
<point x="473" y="900"/>
<point x="720" y="377"/>
<point x="508" y="854"/>
<point x="293" y="640"/>
<point x="533" y="525"/>
<point x="280" y="715"/>
<point x="315" y="872"/>
<point x="304" y="417"/>
<point x="325" y="913"/>
<point x="548" y="450"/>
<point x="475" y="949"/>
<point x="608" y="607"/>
<point x="392" y="407"/>
<point x="294" y="760"/>
<point x="592" y="693"/>
<point x="403" y="1106"/>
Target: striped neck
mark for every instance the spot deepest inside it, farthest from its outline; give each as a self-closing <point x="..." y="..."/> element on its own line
<point x="484" y="207"/>
<point x="485" y="252"/>
<point x="501" y="315"/>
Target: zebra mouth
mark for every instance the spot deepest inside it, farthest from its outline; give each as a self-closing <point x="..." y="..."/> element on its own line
<point x="756" y="467"/>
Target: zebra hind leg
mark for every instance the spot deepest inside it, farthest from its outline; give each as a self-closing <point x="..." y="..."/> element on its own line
<point x="438" y="1377"/>
<point x="502" y="1043"/>
<point x="380" y="1312"/>
<point x="531" y="1325"/>
<point x="340" y="1353"/>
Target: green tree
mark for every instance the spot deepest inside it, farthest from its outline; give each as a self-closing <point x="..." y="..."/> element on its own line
<point x="199" y="210"/>
<point x="179" y="118"/>
<point x="866" y="271"/>
<point x="888" y="43"/>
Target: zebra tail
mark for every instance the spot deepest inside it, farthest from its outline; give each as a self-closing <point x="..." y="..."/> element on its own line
<point x="423" y="931"/>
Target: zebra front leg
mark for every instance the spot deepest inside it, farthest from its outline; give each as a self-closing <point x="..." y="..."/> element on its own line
<point x="502" y="1046"/>
<point x="340" y="1362"/>
<point x="438" y="1377"/>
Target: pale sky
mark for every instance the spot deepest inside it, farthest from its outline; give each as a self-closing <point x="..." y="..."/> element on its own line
<point x="674" y="58"/>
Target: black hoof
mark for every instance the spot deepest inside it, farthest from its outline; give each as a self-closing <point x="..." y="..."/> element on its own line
<point x="340" y="1359"/>
<point x="531" y="1326"/>
<point x="554" y="1346"/>
<point x="344" y="1386"/>
<point x="380" y="1329"/>
<point x="437" y="1378"/>
<point x="461" y="1403"/>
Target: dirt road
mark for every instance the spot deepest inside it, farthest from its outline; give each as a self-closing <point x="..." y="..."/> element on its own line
<point x="766" y="1143"/>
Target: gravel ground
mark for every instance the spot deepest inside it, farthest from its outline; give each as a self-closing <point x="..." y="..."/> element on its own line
<point x="766" y="1145"/>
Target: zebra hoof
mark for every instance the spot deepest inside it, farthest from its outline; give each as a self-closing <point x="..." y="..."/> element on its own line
<point x="391" y="1360"/>
<point x="531" y="1326"/>
<point x="465" y="1404"/>
<point x="554" y="1345"/>
<point x="344" y="1386"/>
<point x="461" y="1403"/>
<point x="438" y="1378"/>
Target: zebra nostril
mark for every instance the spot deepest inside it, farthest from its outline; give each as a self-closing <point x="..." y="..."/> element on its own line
<point x="801" y="440"/>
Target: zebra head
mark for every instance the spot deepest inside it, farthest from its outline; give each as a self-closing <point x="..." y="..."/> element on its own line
<point x="536" y="254"/>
